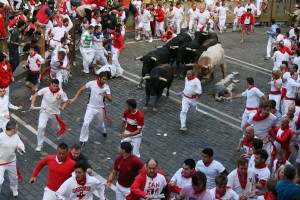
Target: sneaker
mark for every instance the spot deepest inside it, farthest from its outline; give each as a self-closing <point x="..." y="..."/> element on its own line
<point x="30" y="98"/>
<point x="38" y="148"/>
<point x="74" y="63"/>
<point x="104" y="135"/>
<point x="138" y="38"/>
<point x="82" y="144"/>
<point x="267" y="58"/>
<point x="84" y="73"/>
<point x="183" y="128"/>
<point x="242" y="41"/>
<point x="151" y="40"/>
<point x="15" y="193"/>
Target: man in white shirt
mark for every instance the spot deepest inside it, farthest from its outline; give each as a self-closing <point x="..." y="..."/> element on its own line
<point x="183" y="177"/>
<point x="144" y="23"/>
<point x="192" y="90"/>
<point x="263" y="121"/>
<point x="59" y="64"/>
<point x="291" y="88"/>
<point x="242" y="180"/>
<point x="96" y="106"/>
<point x="210" y="167"/>
<point x="253" y="95"/>
<point x="203" y="17"/>
<point x="251" y="6"/>
<point x="221" y="191"/>
<point x="280" y="160"/>
<point x="178" y="16"/>
<point x="80" y="185"/>
<point x="4" y="106"/>
<point x="10" y="142"/>
<point x="222" y="10"/>
<point x="54" y="100"/>
<point x="238" y="12"/>
<point x="193" y="13"/>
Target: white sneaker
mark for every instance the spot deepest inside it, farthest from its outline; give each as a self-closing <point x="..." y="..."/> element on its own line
<point x="15" y="193"/>
<point x="138" y="38"/>
<point x="242" y="41"/>
<point x="183" y="128"/>
<point x="30" y="98"/>
<point x="151" y="40"/>
<point x="38" y="148"/>
<point x="120" y="73"/>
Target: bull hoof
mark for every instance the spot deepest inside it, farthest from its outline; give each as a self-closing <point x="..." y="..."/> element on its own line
<point x="145" y="108"/>
<point x="155" y="109"/>
<point x="139" y="87"/>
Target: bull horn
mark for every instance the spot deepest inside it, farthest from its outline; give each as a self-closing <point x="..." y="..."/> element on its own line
<point x="162" y="79"/>
<point x="138" y="58"/>
<point x="194" y="50"/>
<point x="146" y="77"/>
<point x="205" y="67"/>
<point x="190" y="65"/>
<point x="174" y="47"/>
<point x="158" y="47"/>
<point x="153" y="58"/>
<point x="189" y="49"/>
<point x="204" y="33"/>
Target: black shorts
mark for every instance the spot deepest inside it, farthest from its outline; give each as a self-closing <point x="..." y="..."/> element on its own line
<point x="32" y="78"/>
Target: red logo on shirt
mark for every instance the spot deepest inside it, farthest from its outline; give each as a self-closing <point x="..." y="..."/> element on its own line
<point x="58" y="96"/>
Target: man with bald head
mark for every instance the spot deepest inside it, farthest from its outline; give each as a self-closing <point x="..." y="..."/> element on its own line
<point x="246" y="144"/>
<point x="150" y="183"/>
<point x="192" y="90"/>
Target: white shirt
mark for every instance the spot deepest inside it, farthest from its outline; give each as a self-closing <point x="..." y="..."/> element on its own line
<point x="291" y="88"/>
<point x="52" y="101"/>
<point x="192" y="86"/>
<point x="278" y="58"/>
<point x="261" y="174"/>
<point x="292" y="32"/>
<point x="210" y="171"/>
<point x="32" y="62"/>
<point x="209" y="2"/>
<point x="178" y="13"/>
<point x="137" y="4"/>
<point x="145" y="16"/>
<point x="251" y="6"/>
<point x="287" y="76"/>
<point x="58" y="33"/>
<point x="203" y="17"/>
<point x="193" y="14"/>
<point x="287" y="42"/>
<point x="278" y="81"/>
<point x="155" y="185"/>
<point x="8" y="147"/>
<point x="229" y="195"/>
<point x="60" y="48"/>
<point x="179" y="180"/>
<point x="96" y="96"/>
<point x="262" y="127"/>
<point x="234" y="183"/>
<point x="222" y="12"/>
<point x="274" y="166"/>
<point x="279" y="37"/>
<point x="56" y="64"/>
<point x="239" y="11"/>
<point x="110" y="68"/>
<point x="70" y="189"/>
<point x="253" y="97"/>
<point x="4" y="105"/>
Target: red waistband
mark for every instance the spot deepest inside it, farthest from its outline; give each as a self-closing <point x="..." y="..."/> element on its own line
<point x="274" y="92"/>
<point x="251" y="108"/>
<point x="189" y="97"/>
<point x="291" y="99"/>
<point x="5" y="163"/>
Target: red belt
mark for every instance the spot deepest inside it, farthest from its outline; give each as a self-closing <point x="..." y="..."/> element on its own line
<point x="189" y="97"/>
<point x="251" y="108"/>
<point x="2" y="164"/>
<point x="34" y="72"/>
<point x="275" y="92"/>
<point x="291" y="99"/>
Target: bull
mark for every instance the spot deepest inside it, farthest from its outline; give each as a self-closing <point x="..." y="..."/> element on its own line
<point x="157" y="80"/>
<point x="208" y="62"/>
<point x="153" y="59"/>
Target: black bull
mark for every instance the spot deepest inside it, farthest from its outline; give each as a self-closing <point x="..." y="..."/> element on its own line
<point x="157" y="80"/>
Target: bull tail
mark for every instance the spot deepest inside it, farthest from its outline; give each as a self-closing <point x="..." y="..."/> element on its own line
<point x="223" y="68"/>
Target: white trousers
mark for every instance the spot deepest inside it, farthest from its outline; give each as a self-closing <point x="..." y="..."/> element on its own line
<point x="3" y="122"/>
<point x="135" y="142"/>
<point x="277" y="98"/>
<point x="222" y="23"/>
<point x="185" y="105"/>
<point x="43" y="119"/>
<point x="49" y="194"/>
<point x="115" y="60"/>
<point x="99" y="55"/>
<point x="236" y="23"/>
<point x="286" y="104"/>
<point x="178" y="25"/>
<point x="258" y="7"/>
<point x="12" y="175"/>
<point x="192" y="26"/>
<point x="269" y="46"/>
<point x="245" y="117"/>
<point x="88" y="117"/>
<point x="269" y="148"/>
<point x="87" y="58"/>
<point x="58" y="74"/>
<point x="159" y="28"/>
<point x="121" y="192"/>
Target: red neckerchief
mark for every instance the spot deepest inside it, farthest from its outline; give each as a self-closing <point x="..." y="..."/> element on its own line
<point x="142" y="12"/>
<point x="51" y="90"/>
<point x="194" y="9"/>
<point x="192" y="78"/>
<point x="258" y="117"/>
<point x="243" y="181"/>
<point x="249" y="4"/>
<point x="152" y="176"/>
<point x="274" y="111"/>
<point x="271" y="196"/>
<point x="178" y="7"/>
<point x="83" y="182"/>
<point x="99" y="84"/>
<point x="261" y="166"/>
<point x="252" y="86"/>
<point x="196" y="192"/>
<point x="207" y="164"/>
<point x="190" y="175"/>
<point x="297" y="105"/>
<point x="279" y="164"/>
<point x="171" y="9"/>
<point x="33" y="54"/>
<point x="218" y="195"/>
